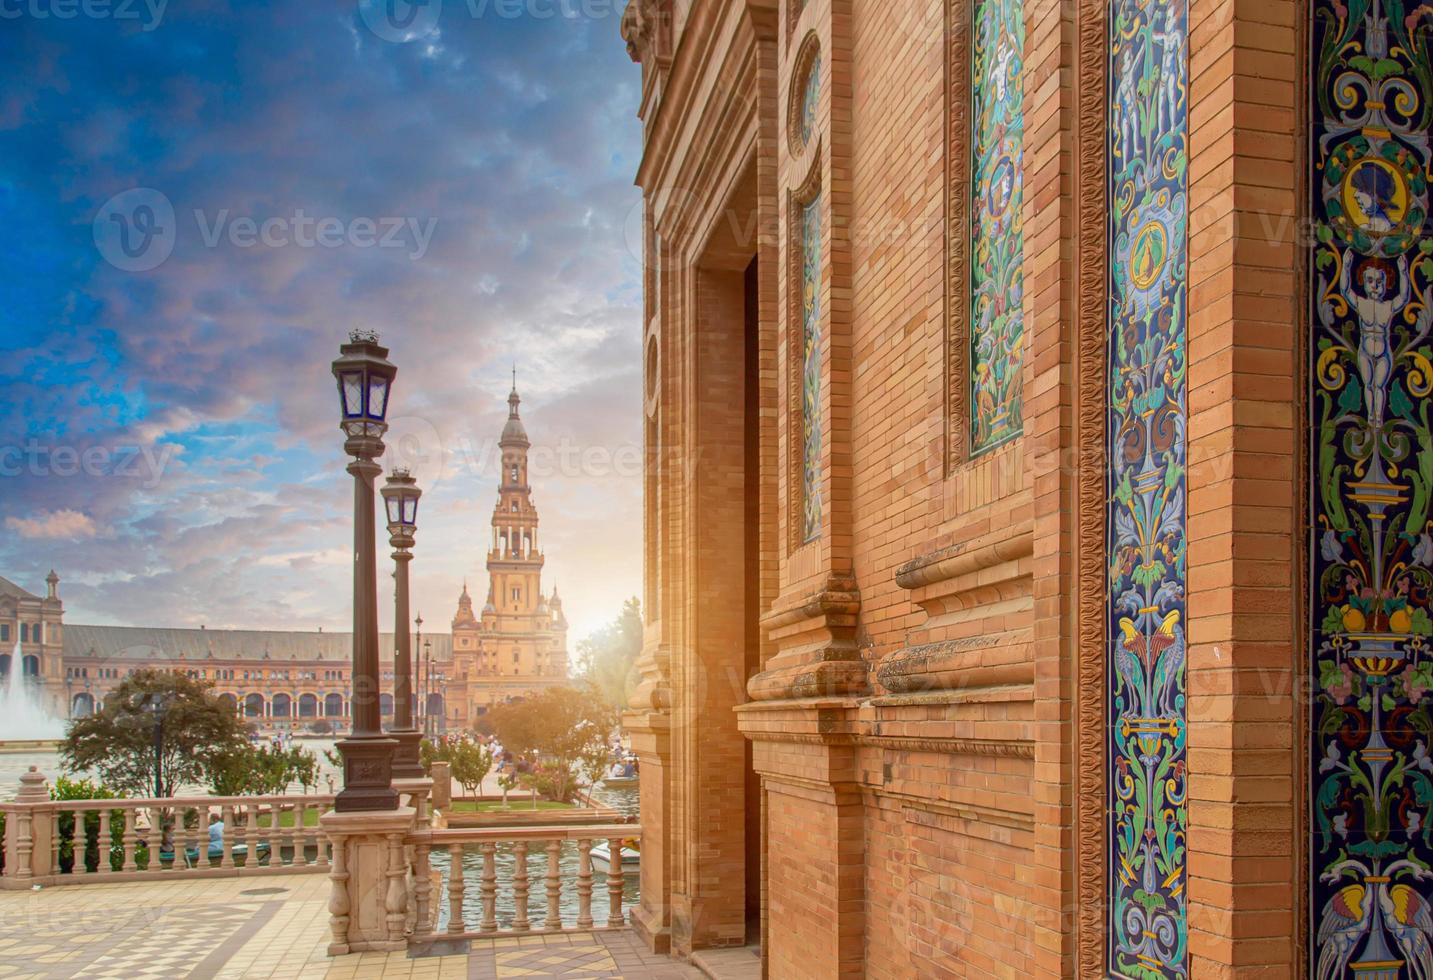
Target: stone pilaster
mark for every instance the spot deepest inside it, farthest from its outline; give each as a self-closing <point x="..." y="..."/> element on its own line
<point x="368" y="903"/>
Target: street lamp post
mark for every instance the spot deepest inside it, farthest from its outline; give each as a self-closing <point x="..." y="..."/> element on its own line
<point x="419" y="705"/>
<point x="428" y="722"/>
<point x="400" y="495"/>
<point x="365" y="378"/>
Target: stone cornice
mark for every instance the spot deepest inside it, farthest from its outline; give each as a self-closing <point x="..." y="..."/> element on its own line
<point x="1002" y="545"/>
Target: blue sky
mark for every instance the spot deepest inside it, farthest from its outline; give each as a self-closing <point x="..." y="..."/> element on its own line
<point x="203" y="197"/>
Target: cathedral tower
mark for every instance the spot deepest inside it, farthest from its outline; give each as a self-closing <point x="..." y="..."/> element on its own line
<point x="518" y="644"/>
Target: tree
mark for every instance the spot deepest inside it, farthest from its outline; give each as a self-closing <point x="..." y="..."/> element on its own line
<point x="470" y="764"/>
<point x="557" y="727"/>
<point x="153" y="714"/>
<point x="259" y="770"/>
<point x="594" y="762"/>
<point x="607" y="659"/>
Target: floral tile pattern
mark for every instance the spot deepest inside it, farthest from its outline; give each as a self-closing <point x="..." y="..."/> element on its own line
<point x="1146" y="747"/>
<point x="997" y="333"/>
<point x="1371" y="475"/>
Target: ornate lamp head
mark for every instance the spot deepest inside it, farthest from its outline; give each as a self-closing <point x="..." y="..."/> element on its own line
<point x="365" y="380"/>
<point x="400" y="497"/>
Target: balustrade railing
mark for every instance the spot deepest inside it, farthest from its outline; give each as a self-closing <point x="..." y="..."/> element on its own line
<point x="60" y="842"/>
<point x="466" y="919"/>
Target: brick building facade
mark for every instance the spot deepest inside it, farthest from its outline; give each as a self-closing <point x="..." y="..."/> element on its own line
<point x="1037" y="546"/>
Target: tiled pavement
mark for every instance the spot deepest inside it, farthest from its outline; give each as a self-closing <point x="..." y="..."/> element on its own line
<point x="266" y="928"/>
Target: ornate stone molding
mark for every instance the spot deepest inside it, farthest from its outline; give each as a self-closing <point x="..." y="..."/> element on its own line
<point x="1004" y="544"/>
<point x="956" y="587"/>
<point x="819" y="654"/>
<point x="957" y="233"/>
<point x="1088" y="648"/>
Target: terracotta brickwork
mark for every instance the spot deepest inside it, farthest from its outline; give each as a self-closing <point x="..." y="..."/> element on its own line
<point x="880" y="752"/>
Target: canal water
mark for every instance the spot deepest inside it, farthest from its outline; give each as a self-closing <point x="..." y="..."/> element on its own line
<point x="624" y="800"/>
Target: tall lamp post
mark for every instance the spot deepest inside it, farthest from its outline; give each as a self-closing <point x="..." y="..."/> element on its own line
<point x="365" y="379"/>
<point x="418" y="674"/>
<point x="400" y="495"/>
<point x="428" y="673"/>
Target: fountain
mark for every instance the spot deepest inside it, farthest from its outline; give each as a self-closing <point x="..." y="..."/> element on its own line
<point x="24" y="722"/>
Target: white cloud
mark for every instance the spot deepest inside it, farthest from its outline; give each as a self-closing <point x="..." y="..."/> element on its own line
<point x="51" y="525"/>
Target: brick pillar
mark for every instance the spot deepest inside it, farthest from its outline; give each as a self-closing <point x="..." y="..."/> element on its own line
<point x="1244" y="493"/>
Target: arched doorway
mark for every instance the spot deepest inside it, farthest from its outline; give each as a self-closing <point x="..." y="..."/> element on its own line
<point x="385" y="705"/>
<point x="281" y="706"/>
<point x="333" y="706"/>
<point x="254" y="706"/>
<point x="308" y="706"/>
<point x="32" y="669"/>
<point x="82" y="705"/>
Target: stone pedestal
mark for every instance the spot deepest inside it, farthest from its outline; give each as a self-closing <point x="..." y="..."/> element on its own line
<point x="416" y="793"/>
<point x="368" y="906"/>
<point x="442" y="786"/>
<point x="26" y="837"/>
<point x="407" y="758"/>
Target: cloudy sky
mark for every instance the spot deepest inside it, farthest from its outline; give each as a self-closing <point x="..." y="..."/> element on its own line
<point x="202" y="198"/>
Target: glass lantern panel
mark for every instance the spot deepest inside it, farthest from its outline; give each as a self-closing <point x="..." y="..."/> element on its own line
<point x="352" y="388"/>
<point x="394" y="506"/>
<point x="410" y="510"/>
<point x="377" y="397"/>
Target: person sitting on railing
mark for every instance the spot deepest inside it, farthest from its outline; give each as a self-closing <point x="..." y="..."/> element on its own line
<point x="216" y="835"/>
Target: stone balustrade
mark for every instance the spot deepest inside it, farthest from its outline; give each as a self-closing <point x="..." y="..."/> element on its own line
<point x="425" y="904"/>
<point x="65" y="842"/>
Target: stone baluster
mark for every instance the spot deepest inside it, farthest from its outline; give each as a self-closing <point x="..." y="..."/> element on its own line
<point x="183" y="836"/>
<point x="338" y="904"/>
<point x="52" y="820"/>
<point x="422" y="892"/>
<point x="553" y="920"/>
<point x="176" y="842"/>
<point x="227" y="860"/>
<point x="614" y="884"/>
<point x="584" y="884"/>
<point x="251" y="837"/>
<point x="455" y="889"/>
<point x="301" y="838"/>
<point x="149" y="837"/>
<point x="490" y="887"/>
<point x="322" y="842"/>
<point x="105" y="842"/>
<point x="131" y="840"/>
<point x="519" y="886"/>
<point x="397" y="898"/>
<point x="292" y="836"/>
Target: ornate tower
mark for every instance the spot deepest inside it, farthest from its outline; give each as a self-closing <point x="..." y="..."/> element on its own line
<point x="518" y="643"/>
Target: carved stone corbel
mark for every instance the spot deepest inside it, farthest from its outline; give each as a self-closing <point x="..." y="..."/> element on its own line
<point x="820" y="656"/>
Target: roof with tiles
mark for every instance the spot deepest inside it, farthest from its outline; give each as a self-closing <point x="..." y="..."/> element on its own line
<point x="132" y="643"/>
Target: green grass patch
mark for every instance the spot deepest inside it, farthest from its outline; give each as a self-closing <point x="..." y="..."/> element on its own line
<point x="468" y="806"/>
<point x="286" y="819"/>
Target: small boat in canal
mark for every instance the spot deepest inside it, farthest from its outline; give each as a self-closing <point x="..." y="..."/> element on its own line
<point x="602" y="859"/>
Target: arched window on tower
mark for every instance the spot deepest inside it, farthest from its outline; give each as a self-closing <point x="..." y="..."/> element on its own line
<point x="514" y="474"/>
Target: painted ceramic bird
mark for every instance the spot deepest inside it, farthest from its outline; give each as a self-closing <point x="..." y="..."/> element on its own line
<point x="1163" y="638"/>
<point x="1343" y="924"/>
<point x="1410" y="919"/>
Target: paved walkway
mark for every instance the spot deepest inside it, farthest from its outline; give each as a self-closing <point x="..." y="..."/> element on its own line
<point x="272" y="927"/>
